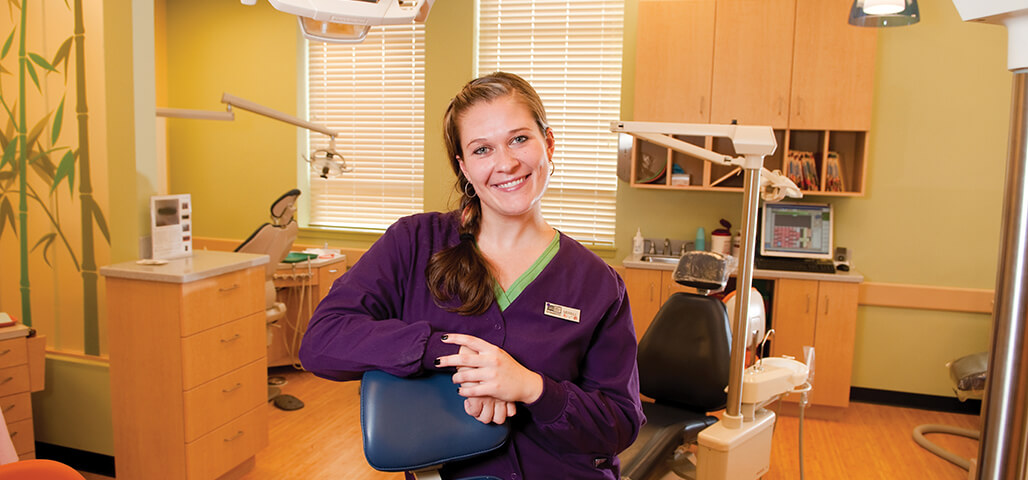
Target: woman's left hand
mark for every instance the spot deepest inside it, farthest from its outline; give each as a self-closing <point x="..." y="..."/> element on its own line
<point x="486" y="370"/>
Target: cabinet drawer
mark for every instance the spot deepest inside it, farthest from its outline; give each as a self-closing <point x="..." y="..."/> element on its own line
<point x="22" y="436"/>
<point x="16" y="407"/>
<point x="213" y="301"/>
<point x="14" y="380"/>
<point x="216" y="402"/>
<point x="13" y="352"/>
<point x="223" y="449"/>
<point x="212" y="353"/>
<point x="327" y="275"/>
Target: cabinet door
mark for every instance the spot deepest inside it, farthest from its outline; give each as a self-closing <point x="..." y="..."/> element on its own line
<point x="674" y="48"/>
<point x="752" y="62"/>
<point x="833" y="343"/>
<point x="832" y="68"/>
<point x="795" y="317"/>
<point x="644" y="296"/>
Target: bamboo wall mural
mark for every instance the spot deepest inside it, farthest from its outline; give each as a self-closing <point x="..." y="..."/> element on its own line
<point x="44" y="163"/>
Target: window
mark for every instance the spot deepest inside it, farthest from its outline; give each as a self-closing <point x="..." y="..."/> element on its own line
<point x="373" y="94"/>
<point x="570" y="51"/>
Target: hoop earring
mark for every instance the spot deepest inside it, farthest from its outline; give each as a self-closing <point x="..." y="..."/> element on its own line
<point x="553" y="167"/>
<point x="469" y="195"/>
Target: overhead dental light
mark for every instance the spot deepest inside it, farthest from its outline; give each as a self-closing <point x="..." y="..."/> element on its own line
<point x="348" y="21"/>
<point x="884" y="13"/>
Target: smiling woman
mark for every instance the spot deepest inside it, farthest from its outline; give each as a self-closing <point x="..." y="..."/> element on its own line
<point x="534" y="328"/>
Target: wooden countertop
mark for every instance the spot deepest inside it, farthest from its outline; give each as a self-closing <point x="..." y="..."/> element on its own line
<point x="852" y="276"/>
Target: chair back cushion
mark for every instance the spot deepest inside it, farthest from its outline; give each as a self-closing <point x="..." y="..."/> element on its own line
<point x="416" y="423"/>
<point x="684" y="354"/>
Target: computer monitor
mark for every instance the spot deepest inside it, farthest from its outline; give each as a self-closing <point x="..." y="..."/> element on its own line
<point x="798" y="230"/>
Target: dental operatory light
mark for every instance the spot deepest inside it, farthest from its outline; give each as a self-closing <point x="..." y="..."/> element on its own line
<point x="884" y="13"/>
<point x="348" y="21"/>
<point x="327" y="161"/>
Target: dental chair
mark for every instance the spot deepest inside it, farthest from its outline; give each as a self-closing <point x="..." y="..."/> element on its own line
<point x="418" y="424"/>
<point x="274" y="240"/>
<point x="683" y="364"/>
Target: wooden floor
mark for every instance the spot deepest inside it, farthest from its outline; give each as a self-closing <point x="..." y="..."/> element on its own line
<point x="322" y="441"/>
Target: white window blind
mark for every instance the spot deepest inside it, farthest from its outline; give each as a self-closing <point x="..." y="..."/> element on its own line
<point x="373" y="94"/>
<point x="570" y="51"/>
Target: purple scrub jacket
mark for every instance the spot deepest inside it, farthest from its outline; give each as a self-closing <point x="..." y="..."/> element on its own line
<point x="380" y="315"/>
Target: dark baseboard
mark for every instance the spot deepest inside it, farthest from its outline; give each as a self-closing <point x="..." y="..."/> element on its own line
<point x="80" y="460"/>
<point x="915" y="400"/>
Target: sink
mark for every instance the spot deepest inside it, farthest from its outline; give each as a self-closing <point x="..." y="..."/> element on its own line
<point x="660" y="259"/>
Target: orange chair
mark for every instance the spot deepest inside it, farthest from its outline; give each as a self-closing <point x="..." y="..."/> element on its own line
<point x="38" y="470"/>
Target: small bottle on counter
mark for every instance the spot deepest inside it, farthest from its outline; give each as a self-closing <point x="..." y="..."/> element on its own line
<point x="638" y="242"/>
<point x="701" y="239"/>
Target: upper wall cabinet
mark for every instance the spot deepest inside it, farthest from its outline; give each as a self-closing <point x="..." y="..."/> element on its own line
<point x="675" y="49"/>
<point x="832" y="69"/>
<point x="795" y="65"/>
<point x="752" y="62"/>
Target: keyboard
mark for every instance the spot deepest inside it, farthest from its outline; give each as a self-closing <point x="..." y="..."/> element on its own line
<point x="794" y="264"/>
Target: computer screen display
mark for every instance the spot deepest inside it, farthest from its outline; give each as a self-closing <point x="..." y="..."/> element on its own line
<point x="799" y="230"/>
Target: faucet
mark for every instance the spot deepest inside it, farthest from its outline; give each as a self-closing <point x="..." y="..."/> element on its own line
<point x="667" y="247"/>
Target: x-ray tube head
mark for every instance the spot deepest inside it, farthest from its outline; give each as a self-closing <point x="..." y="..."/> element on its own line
<point x="348" y="21"/>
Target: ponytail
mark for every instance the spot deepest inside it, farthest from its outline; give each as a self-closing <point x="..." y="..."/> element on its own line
<point x="461" y="270"/>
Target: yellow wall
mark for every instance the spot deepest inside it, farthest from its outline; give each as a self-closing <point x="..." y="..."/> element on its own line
<point x="930" y="215"/>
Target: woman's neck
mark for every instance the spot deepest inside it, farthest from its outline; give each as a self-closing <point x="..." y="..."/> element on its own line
<point x="512" y="244"/>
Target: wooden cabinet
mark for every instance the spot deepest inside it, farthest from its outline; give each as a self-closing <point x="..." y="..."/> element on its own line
<point x="188" y="366"/>
<point x="822" y="315"/>
<point x="644" y="295"/>
<point x="832" y="69"/>
<point x="21" y="372"/>
<point x="752" y="62"/>
<point x="674" y="51"/>
<point x="794" y="65"/>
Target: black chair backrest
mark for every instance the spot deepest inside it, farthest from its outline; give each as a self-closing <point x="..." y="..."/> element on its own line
<point x="684" y="354"/>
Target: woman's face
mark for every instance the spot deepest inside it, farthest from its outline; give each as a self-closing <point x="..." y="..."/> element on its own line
<point x="505" y="156"/>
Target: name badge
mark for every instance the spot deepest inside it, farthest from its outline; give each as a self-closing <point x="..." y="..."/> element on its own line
<point x="562" y="312"/>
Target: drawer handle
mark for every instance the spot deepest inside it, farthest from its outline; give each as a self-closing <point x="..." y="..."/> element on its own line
<point x="229" y="289"/>
<point x="14" y="433"/>
<point x="5" y="352"/>
<point x="232" y="389"/>
<point x="233" y="437"/>
<point x="9" y="407"/>
<point x="8" y="379"/>
<point x="230" y="339"/>
<point x="332" y="270"/>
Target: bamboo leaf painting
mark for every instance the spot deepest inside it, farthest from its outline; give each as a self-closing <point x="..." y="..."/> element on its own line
<point x="7" y="45"/>
<point x="42" y="62"/>
<point x="32" y="74"/>
<point x="9" y="152"/>
<point x="7" y="216"/>
<point x="38" y="129"/>
<point x="66" y="169"/>
<point x="55" y="130"/>
<point x="98" y="215"/>
<point x="62" y="56"/>
<point x="47" y="241"/>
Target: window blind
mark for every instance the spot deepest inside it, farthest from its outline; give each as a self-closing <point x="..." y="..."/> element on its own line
<point x="570" y="51"/>
<point x="373" y="94"/>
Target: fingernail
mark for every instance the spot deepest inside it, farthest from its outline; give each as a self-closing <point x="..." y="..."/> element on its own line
<point x="437" y="361"/>
<point x="444" y="336"/>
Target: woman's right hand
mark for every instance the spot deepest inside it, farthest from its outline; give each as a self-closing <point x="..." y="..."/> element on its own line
<point x="489" y="410"/>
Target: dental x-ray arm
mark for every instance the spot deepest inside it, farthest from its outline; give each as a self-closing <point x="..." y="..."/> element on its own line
<point x="752" y="143"/>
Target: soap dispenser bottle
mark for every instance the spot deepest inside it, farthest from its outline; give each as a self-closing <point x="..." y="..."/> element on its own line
<point x="638" y="242"/>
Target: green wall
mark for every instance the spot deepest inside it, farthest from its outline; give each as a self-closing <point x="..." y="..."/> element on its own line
<point x="934" y="180"/>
